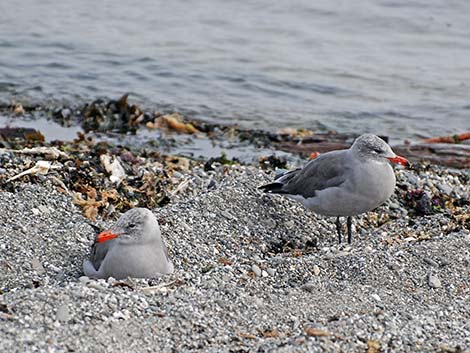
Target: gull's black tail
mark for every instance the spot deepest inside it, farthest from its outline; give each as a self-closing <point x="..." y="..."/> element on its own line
<point x="279" y="182"/>
<point x="273" y="188"/>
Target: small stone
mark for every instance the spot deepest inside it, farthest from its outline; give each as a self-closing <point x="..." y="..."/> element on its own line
<point x="376" y="297"/>
<point x="393" y="205"/>
<point x="431" y="262"/>
<point x="227" y="215"/>
<point x="84" y="280"/>
<point x="177" y="175"/>
<point x="96" y="285"/>
<point x="60" y="276"/>
<point x="289" y="224"/>
<point x="63" y="313"/>
<point x="37" y="266"/>
<point x="412" y="179"/>
<point x="445" y="188"/>
<point x="316" y="270"/>
<point x="264" y="273"/>
<point x="271" y="271"/>
<point x="341" y="254"/>
<point x="44" y="209"/>
<point x="434" y="281"/>
<point x="35" y="211"/>
<point x="308" y="287"/>
<point x="66" y="113"/>
<point x="256" y="270"/>
<point x="269" y="223"/>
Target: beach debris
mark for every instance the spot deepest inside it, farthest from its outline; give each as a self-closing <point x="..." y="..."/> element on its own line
<point x="18" y="109"/>
<point x="113" y="167"/>
<point x="316" y="332"/>
<point x="23" y="133"/>
<point x="177" y="163"/>
<point x="115" y="115"/>
<point x="181" y="187"/>
<point x="458" y="138"/>
<point x="373" y="346"/>
<point x="119" y="115"/>
<point x="290" y="131"/>
<point x="209" y="165"/>
<point x="274" y="333"/>
<point x="92" y="204"/>
<point x="5" y="313"/>
<point x="246" y="335"/>
<point x="272" y="162"/>
<point x="172" y="122"/>
<point x="41" y="167"/>
<point x="224" y="261"/>
<point x="313" y="155"/>
<point x="162" y="287"/>
<point x="51" y="152"/>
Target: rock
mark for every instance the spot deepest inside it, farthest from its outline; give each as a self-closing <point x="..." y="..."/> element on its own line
<point x="227" y="215"/>
<point x="376" y="297"/>
<point x="35" y="211"/>
<point x="289" y="224"/>
<point x="63" y="314"/>
<point x="308" y="287"/>
<point x="431" y="262"/>
<point x="44" y="209"/>
<point x="268" y="223"/>
<point x="177" y="175"/>
<point x="37" y="266"/>
<point x="84" y="280"/>
<point x="271" y="271"/>
<point x="256" y="270"/>
<point x="434" y="281"/>
<point x="66" y="113"/>
<point x="316" y="270"/>
<point x="445" y="188"/>
<point x="96" y="285"/>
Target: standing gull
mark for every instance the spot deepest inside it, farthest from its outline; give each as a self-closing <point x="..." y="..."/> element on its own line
<point x="343" y="183"/>
<point x="133" y="247"/>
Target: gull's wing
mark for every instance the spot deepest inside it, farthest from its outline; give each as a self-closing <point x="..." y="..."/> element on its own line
<point x="325" y="171"/>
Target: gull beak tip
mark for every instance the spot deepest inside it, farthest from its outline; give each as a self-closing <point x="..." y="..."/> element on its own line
<point x="400" y="160"/>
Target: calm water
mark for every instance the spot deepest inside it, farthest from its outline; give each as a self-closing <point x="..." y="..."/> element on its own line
<point x="400" y="68"/>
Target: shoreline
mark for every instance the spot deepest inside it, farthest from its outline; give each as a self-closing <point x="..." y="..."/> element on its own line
<point x="107" y="120"/>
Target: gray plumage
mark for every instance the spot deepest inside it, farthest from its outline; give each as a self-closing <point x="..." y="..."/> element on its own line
<point x="343" y="183"/>
<point x="137" y="250"/>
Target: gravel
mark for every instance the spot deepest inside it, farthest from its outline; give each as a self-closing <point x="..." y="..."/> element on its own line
<point x="254" y="272"/>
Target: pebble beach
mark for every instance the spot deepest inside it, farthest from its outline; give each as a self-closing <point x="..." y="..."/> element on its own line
<point x="187" y="111"/>
<point x="253" y="272"/>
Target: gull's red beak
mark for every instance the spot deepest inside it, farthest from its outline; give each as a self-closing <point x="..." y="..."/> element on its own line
<point x="400" y="160"/>
<point x="106" y="235"/>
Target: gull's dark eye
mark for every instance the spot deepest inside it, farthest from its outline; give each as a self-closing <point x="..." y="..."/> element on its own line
<point x="132" y="226"/>
<point x="378" y="151"/>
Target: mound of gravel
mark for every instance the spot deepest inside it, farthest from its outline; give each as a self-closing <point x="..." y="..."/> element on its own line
<point x="254" y="272"/>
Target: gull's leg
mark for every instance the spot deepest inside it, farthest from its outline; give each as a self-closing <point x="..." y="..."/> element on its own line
<point x="338" y="229"/>
<point x="349" y="223"/>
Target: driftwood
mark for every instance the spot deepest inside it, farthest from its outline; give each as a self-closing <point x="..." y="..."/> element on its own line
<point x="446" y="154"/>
<point x="449" y="155"/>
<point x="449" y="139"/>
